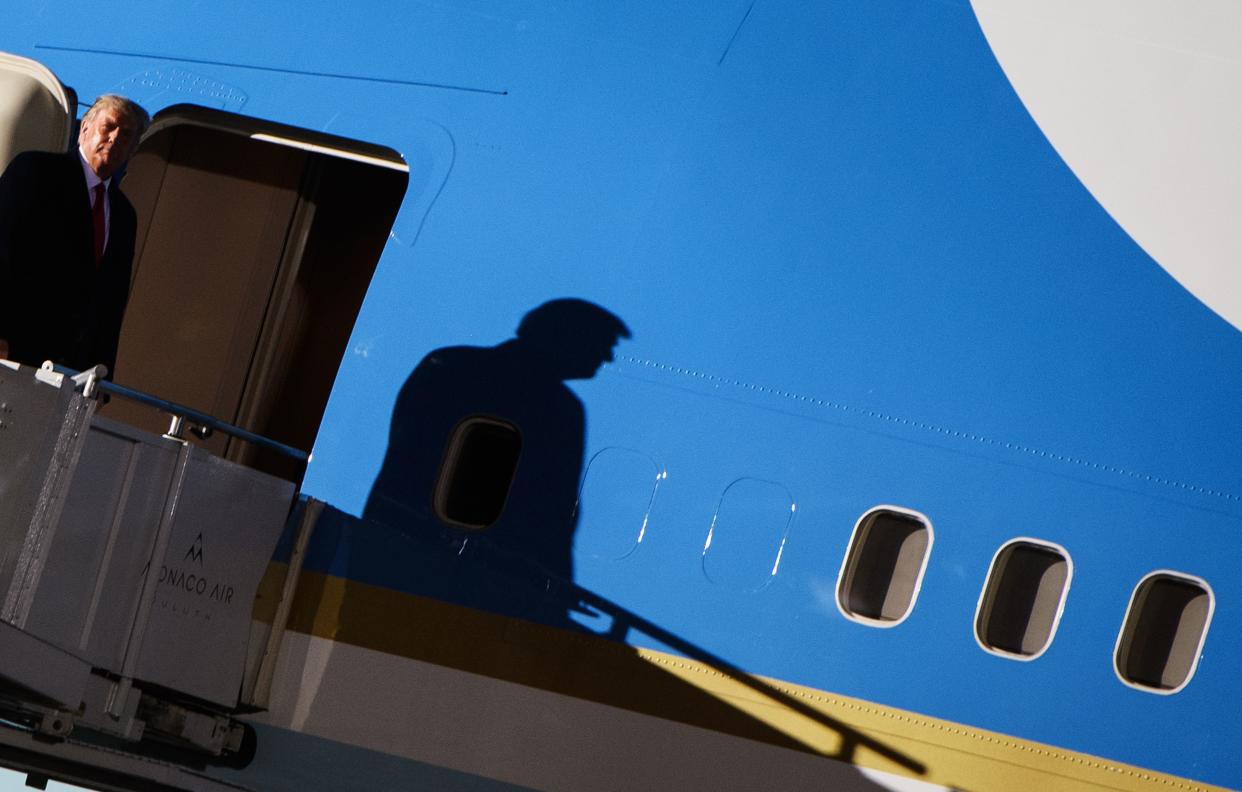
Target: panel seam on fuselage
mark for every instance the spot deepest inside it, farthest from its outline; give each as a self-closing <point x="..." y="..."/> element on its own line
<point x="934" y="429"/>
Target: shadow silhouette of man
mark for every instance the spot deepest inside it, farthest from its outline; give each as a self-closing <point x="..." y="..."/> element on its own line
<point x="484" y="459"/>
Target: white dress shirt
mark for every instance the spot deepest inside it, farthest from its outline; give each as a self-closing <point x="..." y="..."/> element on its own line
<point x="92" y="179"/>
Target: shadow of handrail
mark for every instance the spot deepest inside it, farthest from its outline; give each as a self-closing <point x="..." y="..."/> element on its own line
<point x="623" y="621"/>
<point x="469" y="570"/>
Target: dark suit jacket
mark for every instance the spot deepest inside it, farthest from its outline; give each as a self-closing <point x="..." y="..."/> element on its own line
<point x="55" y="303"/>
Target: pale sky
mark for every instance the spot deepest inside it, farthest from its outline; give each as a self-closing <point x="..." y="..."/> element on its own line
<point x="13" y="782"/>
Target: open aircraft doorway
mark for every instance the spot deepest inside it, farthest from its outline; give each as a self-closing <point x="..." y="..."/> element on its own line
<point x="256" y="245"/>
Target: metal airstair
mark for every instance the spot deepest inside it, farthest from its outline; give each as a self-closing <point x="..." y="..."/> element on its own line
<point x="129" y="566"/>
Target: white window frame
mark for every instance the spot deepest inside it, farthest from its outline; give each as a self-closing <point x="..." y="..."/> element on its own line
<point x="1207" y="623"/>
<point x="918" y="581"/>
<point x="1056" y="619"/>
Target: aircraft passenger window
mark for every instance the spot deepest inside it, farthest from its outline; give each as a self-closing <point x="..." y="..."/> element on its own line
<point x="478" y="469"/>
<point x="883" y="569"/>
<point x="1022" y="599"/>
<point x="747" y="535"/>
<point x="614" y="504"/>
<point x="1163" y="633"/>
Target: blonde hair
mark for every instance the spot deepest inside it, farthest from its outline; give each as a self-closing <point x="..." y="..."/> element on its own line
<point x="128" y="107"/>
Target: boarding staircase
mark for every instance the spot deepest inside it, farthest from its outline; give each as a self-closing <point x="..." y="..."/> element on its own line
<point x="129" y="566"/>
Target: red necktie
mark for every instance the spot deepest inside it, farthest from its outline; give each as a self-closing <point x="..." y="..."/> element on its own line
<point x="97" y="213"/>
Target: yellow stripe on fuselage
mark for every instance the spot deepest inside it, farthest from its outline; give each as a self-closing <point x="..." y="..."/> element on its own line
<point x="691" y="692"/>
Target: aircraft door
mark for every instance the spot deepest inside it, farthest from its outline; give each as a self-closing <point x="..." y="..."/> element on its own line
<point x="256" y="244"/>
<point x="36" y="111"/>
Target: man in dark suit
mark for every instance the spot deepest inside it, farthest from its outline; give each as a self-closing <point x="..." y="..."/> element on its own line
<point x="67" y="243"/>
